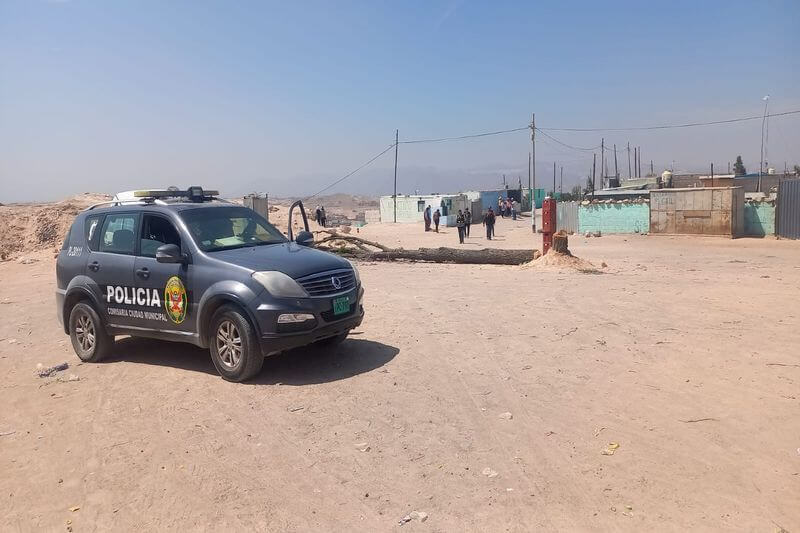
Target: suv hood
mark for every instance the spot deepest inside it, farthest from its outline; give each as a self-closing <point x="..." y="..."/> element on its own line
<point x="290" y="258"/>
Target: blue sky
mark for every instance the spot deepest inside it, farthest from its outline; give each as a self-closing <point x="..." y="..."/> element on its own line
<point x="285" y="97"/>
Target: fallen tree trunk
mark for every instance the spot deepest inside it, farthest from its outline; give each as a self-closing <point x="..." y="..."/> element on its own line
<point x="442" y="255"/>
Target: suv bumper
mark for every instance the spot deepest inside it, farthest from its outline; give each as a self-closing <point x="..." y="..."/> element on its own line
<point x="274" y="341"/>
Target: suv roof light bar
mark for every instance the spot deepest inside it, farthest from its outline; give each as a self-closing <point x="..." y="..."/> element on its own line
<point x="194" y="194"/>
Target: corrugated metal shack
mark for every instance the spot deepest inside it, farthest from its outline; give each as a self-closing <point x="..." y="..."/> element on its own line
<point x="788" y="215"/>
<point x="698" y="211"/>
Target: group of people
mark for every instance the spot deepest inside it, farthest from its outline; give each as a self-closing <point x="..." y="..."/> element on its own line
<point x="319" y="215"/>
<point x="463" y="221"/>
<point x="507" y="207"/>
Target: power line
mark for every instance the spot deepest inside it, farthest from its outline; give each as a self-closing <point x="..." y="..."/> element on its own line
<point x="337" y="182"/>
<point x="462" y="137"/>
<point x="672" y="126"/>
<point x="565" y="144"/>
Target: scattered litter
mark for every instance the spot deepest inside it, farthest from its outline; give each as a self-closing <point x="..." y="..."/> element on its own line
<point x="488" y="472"/>
<point x="549" y="433"/>
<point x="598" y="431"/>
<point x="362" y="446"/>
<point x="73" y="509"/>
<point x="527" y="367"/>
<point x="72" y="377"/>
<point x="506" y="416"/>
<point x="598" y="233"/>
<point x="12" y="341"/>
<point x="699" y="420"/>
<point x="7" y="433"/>
<point x="47" y="372"/>
<point x="295" y="409"/>
<point x="610" y="449"/>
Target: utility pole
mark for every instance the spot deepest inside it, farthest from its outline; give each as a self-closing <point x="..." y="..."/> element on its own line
<point x="533" y="172"/>
<point x="729" y="167"/>
<point x="529" y="171"/>
<point x="396" y="143"/>
<point x="651" y="168"/>
<point x="712" y="174"/>
<point x="554" y="179"/>
<point x="629" y="160"/>
<point x="616" y="170"/>
<point x="594" y="164"/>
<point x="602" y="161"/>
<point x="634" y="162"/>
<point x="640" y="161"/>
<point x="561" y="183"/>
<point x="763" y="122"/>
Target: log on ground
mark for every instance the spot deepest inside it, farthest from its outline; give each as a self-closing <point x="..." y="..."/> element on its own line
<point x="446" y="255"/>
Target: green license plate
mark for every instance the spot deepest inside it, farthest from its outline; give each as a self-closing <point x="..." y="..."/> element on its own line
<point x="341" y="305"/>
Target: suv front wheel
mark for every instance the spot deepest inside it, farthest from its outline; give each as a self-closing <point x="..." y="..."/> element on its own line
<point x="233" y="344"/>
<point x="87" y="333"/>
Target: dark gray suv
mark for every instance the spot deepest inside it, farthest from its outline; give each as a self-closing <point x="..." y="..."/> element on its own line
<point x="184" y="266"/>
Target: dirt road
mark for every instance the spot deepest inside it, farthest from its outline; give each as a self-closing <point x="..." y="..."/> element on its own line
<point x="684" y="353"/>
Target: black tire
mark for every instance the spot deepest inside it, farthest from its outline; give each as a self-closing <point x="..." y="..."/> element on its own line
<point x="333" y="342"/>
<point x="231" y="331"/>
<point x="88" y="334"/>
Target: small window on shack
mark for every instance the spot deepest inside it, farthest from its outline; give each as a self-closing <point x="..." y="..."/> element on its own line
<point x="421" y="206"/>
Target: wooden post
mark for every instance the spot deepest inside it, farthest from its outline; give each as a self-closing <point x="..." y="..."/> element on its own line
<point x="594" y="164"/>
<point x="616" y="170"/>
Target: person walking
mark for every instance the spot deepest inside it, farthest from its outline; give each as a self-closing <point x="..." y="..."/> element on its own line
<point x="460" y="224"/>
<point x="500" y="205"/>
<point x="316" y="214"/>
<point x="467" y="221"/>
<point x="436" y="216"/>
<point x="513" y="210"/>
<point x="488" y="221"/>
<point x="426" y="216"/>
<point x="323" y="217"/>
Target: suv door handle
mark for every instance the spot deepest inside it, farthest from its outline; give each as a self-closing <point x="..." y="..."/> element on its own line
<point x="143" y="272"/>
<point x="94" y="266"/>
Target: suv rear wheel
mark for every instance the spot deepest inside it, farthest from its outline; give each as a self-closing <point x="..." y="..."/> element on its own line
<point x="87" y="333"/>
<point x="233" y="344"/>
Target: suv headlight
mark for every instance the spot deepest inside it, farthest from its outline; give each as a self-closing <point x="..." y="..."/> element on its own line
<point x="279" y="284"/>
<point x="355" y="272"/>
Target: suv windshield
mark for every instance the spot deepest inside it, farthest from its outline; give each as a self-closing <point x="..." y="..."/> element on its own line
<point x="225" y="228"/>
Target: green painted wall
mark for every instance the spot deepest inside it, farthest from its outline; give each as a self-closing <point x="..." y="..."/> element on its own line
<point x="614" y="218"/>
<point x="759" y="219"/>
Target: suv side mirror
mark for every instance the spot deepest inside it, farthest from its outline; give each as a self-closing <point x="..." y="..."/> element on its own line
<point x="305" y="238"/>
<point x="169" y="253"/>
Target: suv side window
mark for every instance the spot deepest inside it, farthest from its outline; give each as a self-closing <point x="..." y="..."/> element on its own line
<point x="118" y="234"/>
<point x="91" y="231"/>
<point x="157" y="231"/>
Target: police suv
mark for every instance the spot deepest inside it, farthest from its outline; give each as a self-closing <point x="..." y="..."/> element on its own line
<point x="186" y="266"/>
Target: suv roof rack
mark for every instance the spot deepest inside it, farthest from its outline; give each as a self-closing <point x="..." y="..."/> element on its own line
<point x="194" y="194"/>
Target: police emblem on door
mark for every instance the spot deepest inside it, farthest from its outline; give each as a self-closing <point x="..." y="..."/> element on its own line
<point x="176" y="302"/>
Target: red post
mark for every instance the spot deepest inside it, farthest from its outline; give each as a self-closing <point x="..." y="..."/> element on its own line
<point x="548" y="223"/>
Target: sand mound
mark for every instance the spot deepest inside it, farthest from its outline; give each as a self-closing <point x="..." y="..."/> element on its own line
<point x="28" y="228"/>
<point x="558" y="262"/>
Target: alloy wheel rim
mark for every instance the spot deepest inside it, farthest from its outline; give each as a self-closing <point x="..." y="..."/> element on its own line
<point x="229" y="344"/>
<point x="85" y="333"/>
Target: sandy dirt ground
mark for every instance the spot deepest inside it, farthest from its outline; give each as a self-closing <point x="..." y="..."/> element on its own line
<point x="487" y="397"/>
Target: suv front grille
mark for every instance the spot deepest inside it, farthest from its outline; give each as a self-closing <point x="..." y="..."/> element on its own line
<point x="328" y="283"/>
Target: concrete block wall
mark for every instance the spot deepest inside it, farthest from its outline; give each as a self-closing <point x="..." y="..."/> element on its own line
<point x="614" y="218"/>
<point x="759" y="219"/>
